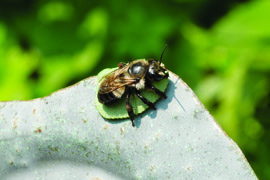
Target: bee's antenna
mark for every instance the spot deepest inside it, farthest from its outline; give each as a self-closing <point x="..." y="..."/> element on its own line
<point x="162" y="53"/>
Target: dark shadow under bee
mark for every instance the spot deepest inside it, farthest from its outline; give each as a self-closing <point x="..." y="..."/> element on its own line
<point x="132" y="77"/>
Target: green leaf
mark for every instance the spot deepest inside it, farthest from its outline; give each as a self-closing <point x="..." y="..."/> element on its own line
<point x="118" y="109"/>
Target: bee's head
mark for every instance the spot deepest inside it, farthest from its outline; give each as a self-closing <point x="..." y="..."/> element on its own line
<point x="157" y="70"/>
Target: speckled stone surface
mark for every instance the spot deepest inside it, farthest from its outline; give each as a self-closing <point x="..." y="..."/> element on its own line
<point x="62" y="136"/>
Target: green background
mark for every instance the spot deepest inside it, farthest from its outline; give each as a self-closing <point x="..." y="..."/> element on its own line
<point x="221" y="49"/>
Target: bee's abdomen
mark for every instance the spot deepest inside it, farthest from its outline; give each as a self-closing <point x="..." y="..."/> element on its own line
<point x="107" y="98"/>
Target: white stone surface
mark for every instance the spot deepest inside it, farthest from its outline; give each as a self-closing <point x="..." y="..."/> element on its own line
<point x="62" y="136"/>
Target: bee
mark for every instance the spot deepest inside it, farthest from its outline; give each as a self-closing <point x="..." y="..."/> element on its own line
<point x="132" y="77"/>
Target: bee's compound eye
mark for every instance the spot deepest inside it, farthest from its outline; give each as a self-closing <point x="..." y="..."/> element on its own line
<point x="136" y="69"/>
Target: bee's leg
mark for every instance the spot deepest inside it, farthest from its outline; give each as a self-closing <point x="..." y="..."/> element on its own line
<point x="129" y="107"/>
<point x="157" y="91"/>
<point x="144" y="100"/>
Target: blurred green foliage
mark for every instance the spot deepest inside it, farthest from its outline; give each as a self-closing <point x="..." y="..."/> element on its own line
<point x="220" y="48"/>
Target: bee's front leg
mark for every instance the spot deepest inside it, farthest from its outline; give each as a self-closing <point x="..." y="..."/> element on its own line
<point x="144" y="100"/>
<point x="157" y="91"/>
<point x="129" y="107"/>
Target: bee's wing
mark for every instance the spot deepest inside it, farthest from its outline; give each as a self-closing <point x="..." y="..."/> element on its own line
<point x="117" y="79"/>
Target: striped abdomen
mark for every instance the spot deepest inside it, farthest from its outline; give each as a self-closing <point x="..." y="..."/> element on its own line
<point x="110" y="97"/>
